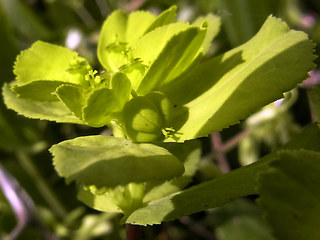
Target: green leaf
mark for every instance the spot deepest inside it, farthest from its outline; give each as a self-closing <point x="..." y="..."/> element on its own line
<point x="120" y="32"/>
<point x="113" y="32"/>
<point x="214" y="193"/>
<point x="142" y="22"/>
<point x="100" y="105"/>
<point x="110" y="161"/>
<point x="45" y="61"/>
<point x="137" y="24"/>
<point x="102" y="202"/>
<point x="213" y="27"/>
<point x="121" y="87"/>
<point x="221" y="190"/>
<point x="290" y="195"/>
<point x="169" y="51"/>
<point x="53" y="111"/>
<point x="166" y="17"/>
<point x="229" y="87"/>
<point x="37" y="90"/>
<point x="127" y="198"/>
<point x="123" y="199"/>
<point x="96" y="106"/>
<point x="189" y="153"/>
<point x="149" y="46"/>
<point x="74" y="97"/>
<point x="103" y="103"/>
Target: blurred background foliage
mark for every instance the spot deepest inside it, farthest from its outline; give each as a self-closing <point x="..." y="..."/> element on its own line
<point x="76" y="24"/>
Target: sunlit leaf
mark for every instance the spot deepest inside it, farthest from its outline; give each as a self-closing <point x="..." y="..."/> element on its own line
<point x="149" y="46"/>
<point x="121" y="31"/>
<point x="101" y="202"/>
<point x="53" y="111"/>
<point x="121" y="87"/>
<point x="112" y="41"/>
<point x="226" y="89"/>
<point x="73" y="96"/>
<point x="166" y="17"/>
<point x="37" y="90"/>
<point x="189" y="153"/>
<point x="98" y="105"/>
<point x="45" y="61"/>
<point x="170" y="50"/>
<point x="116" y="200"/>
<point x="101" y="103"/>
<point x="141" y="22"/>
<point x="109" y="161"/>
<point x="214" y="193"/>
<point x="213" y="28"/>
<point x="123" y="199"/>
<point x="221" y="190"/>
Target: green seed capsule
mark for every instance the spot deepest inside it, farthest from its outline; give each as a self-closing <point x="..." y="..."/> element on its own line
<point x="146" y="116"/>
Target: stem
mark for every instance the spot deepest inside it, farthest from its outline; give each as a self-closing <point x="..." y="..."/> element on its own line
<point x="220" y="156"/>
<point x="133" y="232"/>
<point x="220" y="148"/>
<point x="231" y="143"/>
<point x="41" y="184"/>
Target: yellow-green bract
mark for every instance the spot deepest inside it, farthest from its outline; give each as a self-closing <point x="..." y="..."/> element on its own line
<point x="146" y="117"/>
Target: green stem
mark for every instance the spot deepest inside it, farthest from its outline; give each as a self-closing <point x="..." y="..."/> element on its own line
<point x="41" y="184"/>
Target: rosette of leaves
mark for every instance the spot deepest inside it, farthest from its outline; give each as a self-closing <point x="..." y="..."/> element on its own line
<point x="157" y="93"/>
